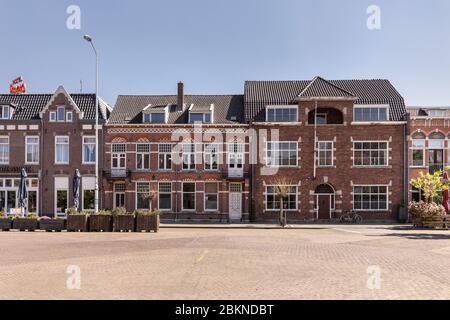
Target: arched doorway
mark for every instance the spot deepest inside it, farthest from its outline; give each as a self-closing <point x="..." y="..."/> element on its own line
<point x="324" y="201"/>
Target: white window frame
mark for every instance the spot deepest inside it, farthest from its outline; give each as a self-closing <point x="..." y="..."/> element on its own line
<point x="372" y="106"/>
<point x="278" y="151"/>
<point x="190" y="153"/>
<point x="274" y="107"/>
<point x="150" y="117"/>
<point x="203" y="116"/>
<point x="8" y="150"/>
<point x="370" y="185"/>
<point x="115" y="192"/>
<point x="414" y="148"/>
<point x="69" y="116"/>
<point x="164" y="154"/>
<point x="2" y="113"/>
<point x="210" y="154"/>
<point x="204" y="196"/>
<point x="266" y="194"/>
<point x="143" y="154"/>
<point x="165" y="192"/>
<point x="319" y="151"/>
<point x="57" y="114"/>
<point x="195" y="196"/>
<point x="52" y="117"/>
<point x="137" y="193"/>
<point x="118" y="155"/>
<point x="68" y="150"/>
<point x="83" y="151"/>
<point x="370" y="150"/>
<point x="27" y="144"/>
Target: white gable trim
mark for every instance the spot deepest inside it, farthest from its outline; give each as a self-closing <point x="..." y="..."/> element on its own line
<point x="69" y="98"/>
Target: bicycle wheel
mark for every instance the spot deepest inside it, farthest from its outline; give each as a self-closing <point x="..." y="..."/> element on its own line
<point x="342" y="219"/>
<point x="358" y="219"/>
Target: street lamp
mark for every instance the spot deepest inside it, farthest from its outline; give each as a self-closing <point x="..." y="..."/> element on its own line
<point x="89" y="39"/>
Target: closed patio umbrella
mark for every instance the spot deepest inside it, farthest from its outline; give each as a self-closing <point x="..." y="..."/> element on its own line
<point x="76" y="189"/>
<point x="23" y="192"/>
<point x="445" y="193"/>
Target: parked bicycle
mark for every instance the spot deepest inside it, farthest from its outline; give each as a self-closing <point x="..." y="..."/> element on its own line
<point x="351" y="217"/>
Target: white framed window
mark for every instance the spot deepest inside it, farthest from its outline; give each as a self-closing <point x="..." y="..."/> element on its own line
<point x="288" y="113"/>
<point x="436" y="113"/>
<point x="211" y="156"/>
<point x="165" y="156"/>
<point x="325" y="154"/>
<point x="370" y="153"/>
<point x="155" y="117"/>
<point x="88" y="187"/>
<point x="371" y="113"/>
<point x="370" y="198"/>
<point x="5" y="112"/>
<point x="418" y="153"/>
<point x="282" y="154"/>
<point x="32" y="150"/>
<point x="4" y="150"/>
<point x="61" y="195"/>
<point x="53" y="116"/>
<point x="62" y="150"/>
<point x="199" y="117"/>
<point x="118" y="156"/>
<point x="69" y="116"/>
<point x="273" y="200"/>
<point x="88" y="150"/>
<point x="143" y="156"/>
<point x="189" y="196"/>
<point x="211" y="196"/>
<point x="61" y="114"/>
<point x="189" y="156"/>
<point x="119" y="195"/>
<point x="165" y="196"/>
<point x="142" y="195"/>
<point x="321" y="118"/>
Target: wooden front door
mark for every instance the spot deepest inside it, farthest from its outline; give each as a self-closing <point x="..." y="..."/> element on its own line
<point x="324" y="207"/>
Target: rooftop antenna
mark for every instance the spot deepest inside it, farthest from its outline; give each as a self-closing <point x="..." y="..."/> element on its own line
<point x="81" y="86"/>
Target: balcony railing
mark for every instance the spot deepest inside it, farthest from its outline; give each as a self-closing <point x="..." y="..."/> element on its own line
<point x="117" y="173"/>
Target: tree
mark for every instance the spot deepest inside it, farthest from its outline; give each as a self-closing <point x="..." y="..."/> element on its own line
<point x="282" y="188"/>
<point x="430" y="184"/>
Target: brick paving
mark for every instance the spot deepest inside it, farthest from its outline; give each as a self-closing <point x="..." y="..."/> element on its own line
<point x="305" y="262"/>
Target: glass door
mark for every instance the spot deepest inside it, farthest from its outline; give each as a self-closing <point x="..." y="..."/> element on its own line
<point x="436" y="160"/>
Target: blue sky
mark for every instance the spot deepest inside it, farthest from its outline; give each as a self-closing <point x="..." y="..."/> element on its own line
<point x="146" y="47"/>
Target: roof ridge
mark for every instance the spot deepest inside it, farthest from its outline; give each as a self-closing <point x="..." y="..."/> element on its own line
<point x="317" y="79"/>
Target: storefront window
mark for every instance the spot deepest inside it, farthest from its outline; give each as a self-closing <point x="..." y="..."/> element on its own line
<point x="89" y="199"/>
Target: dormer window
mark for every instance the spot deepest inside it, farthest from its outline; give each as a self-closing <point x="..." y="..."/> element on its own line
<point x="5" y="112"/>
<point x="371" y="113"/>
<point x="199" y="117"/>
<point x="282" y="113"/>
<point x="155" y="117"/>
<point x="436" y="113"/>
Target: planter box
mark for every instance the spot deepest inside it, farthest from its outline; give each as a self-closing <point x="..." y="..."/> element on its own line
<point x="77" y="223"/>
<point x="435" y="222"/>
<point x="24" y="224"/>
<point x="5" y="224"/>
<point x="147" y="223"/>
<point x="124" y="223"/>
<point x="50" y="225"/>
<point x="100" y="223"/>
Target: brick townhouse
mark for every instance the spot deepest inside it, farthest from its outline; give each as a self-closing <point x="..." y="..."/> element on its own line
<point x="428" y="142"/>
<point x="204" y="179"/>
<point x="50" y="135"/>
<point x="357" y="162"/>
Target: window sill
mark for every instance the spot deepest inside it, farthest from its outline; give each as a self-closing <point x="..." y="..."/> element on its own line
<point x="371" y="167"/>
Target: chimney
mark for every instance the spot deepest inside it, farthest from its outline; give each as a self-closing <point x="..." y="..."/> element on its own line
<point x="180" y="100"/>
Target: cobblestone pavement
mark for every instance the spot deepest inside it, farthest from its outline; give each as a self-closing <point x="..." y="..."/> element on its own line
<point x="305" y="262"/>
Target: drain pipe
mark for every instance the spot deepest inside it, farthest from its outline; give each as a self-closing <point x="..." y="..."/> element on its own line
<point x="406" y="162"/>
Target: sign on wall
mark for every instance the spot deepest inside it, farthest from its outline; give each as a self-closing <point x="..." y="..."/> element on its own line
<point x="17" y="86"/>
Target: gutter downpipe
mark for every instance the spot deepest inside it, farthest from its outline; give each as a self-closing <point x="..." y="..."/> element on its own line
<point x="406" y="161"/>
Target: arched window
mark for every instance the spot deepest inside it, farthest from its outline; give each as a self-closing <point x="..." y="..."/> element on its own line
<point x="324" y="189"/>
<point x="419" y="136"/>
<point x="418" y="149"/>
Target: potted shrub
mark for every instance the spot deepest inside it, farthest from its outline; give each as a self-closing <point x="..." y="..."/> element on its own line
<point x="147" y="220"/>
<point x="28" y="223"/>
<point x="427" y="214"/>
<point x="123" y="221"/>
<point x="101" y="221"/>
<point x="77" y="221"/>
<point x="52" y="224"/>
<point x="5" y="222"/>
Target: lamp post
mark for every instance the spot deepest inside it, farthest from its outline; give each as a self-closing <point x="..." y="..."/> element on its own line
<point x="89" y="39"/>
